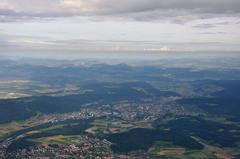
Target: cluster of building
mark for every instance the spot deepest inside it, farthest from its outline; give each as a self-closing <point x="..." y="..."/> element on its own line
<point x="91" y="147"/>
<point x="151" y="110"/>
<point x="82" y="147"/>
<point x="84" y="113"/>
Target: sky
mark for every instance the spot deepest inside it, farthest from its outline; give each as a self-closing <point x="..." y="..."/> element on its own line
<point x="81" y="26"/>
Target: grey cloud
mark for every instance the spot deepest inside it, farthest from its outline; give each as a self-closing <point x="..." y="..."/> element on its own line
<point x="28" y="43"/>
<point x="207" y="25"/>
<point x="203" y="6"/>
<point x="219" y="32"/>
<point x="144" y="10"/>
<point x="212" y="25"/>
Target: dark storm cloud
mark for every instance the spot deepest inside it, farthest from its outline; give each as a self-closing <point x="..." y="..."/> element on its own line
<point x="144" y="10"/>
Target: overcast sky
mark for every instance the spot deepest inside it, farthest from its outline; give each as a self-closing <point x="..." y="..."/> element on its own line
<point x="119" y="25"/>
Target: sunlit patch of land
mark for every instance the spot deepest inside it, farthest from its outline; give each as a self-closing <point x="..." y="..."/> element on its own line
<point x="12" y="95"/>
<point x="8" y="128"/>
<point x="111" y="126"/>
<point x="214" y="151"/>
<point x="44" y="130"/>
<point x="172" y="152"/>
<point x="168" y="150"/>
<point x="57" y="139"/>
<point x="13" y="89"/>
